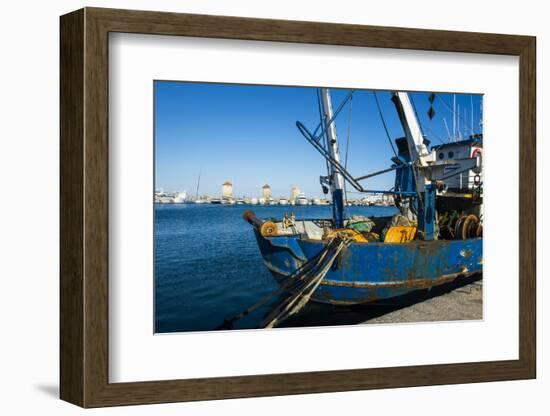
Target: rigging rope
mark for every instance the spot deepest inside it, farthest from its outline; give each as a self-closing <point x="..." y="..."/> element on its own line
<point x="321" y="121"/>
<point x="422" y="126"/>
<point x="349" y="130"/>
<point x="297" y="301"/>
<point x="347" y="143"/>
<point x="301" y="284"/>
<point x="384" y="123"/>
<point x="413" y="168"/>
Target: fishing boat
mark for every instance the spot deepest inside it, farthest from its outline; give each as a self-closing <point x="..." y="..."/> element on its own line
<point x="435" y="238"/>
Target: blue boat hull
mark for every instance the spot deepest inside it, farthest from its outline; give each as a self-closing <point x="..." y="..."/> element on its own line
<point x="367" y="272"/>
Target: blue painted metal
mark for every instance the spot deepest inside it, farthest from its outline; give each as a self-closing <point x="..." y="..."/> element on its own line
<point x="291" y="245"/>
<point x="371" y="271"/>
<point x="404" y="175"/>
<point x="426" y="212"/>
<point x="347" y="176"/>
<point x="338" y="208"/>
<point x="337" y="165"/>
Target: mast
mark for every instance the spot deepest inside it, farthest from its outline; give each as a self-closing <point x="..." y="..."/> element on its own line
<point x="472" y="114"/>
<point x="447" y="128"/>
<point x="454" y="117"/>
<point x="198" y="184"/>
<point x="336" y="178"/>
<point x="458" y="123"/>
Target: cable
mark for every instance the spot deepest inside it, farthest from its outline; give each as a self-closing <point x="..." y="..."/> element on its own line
<point x="384" y="123"/>
<point x="347" y="143"/>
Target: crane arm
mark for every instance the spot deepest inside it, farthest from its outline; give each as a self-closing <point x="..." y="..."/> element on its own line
<point x="418" y="151"/>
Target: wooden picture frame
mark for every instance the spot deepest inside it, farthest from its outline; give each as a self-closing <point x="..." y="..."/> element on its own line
<point x="84" y="207"/>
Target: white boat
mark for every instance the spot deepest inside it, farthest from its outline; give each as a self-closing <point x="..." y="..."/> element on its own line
<point x="254" y="201"/>
<point x="283" y="201"/>
<point x="165" y="200"/>
<point x="180" y="198"/>
<point x="302" y="200"/>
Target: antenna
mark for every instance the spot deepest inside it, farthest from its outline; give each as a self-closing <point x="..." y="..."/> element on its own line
<point x="454" y="117"/>
<point x="447" y="128"/>
<point x="458" y="123"/>
<point x="472" y="114"/>
<point x="481" y="115"/>
<point x="466" y="122"/>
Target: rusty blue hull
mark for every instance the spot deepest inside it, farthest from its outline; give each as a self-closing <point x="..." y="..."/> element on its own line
<point x="367" y="272"/>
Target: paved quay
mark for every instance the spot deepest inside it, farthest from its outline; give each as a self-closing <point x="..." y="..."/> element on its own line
<point x="459" y="304"/>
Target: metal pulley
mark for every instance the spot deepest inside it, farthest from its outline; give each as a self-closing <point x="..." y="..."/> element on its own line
<point x="468" y="226"/>
<point x="455" y="226"/>
<point x="266" y="228"/>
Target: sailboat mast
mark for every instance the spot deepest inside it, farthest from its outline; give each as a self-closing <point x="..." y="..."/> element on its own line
<point x="198" y="184"/>
<point x="336" y="178"/>
<point x="454" y="117"/>
<point x="472" y="114"/>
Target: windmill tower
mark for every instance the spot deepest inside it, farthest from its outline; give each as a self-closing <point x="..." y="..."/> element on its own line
<point x="227" y="190"/>
<point x="294" y="192"/>
<point x="266" y="192"/>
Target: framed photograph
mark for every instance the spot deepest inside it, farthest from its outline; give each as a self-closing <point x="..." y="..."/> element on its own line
<point x="255" y="207"/>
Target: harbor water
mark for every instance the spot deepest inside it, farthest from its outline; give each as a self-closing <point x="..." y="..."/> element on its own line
<point x="208" y="267"/>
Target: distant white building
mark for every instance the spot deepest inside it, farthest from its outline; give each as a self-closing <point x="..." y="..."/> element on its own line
<point x="294" y="192"/>
<point x="266" y="192"/>
<point x="227" y="190"/>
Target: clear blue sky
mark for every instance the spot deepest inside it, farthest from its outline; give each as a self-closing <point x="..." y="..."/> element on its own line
<point x="247" y="134"/>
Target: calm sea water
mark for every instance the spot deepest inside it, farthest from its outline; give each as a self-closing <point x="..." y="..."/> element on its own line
<point x="208" y="266"/>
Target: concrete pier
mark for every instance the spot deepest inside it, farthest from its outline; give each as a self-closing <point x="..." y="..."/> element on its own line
<point x="459" y="304"/>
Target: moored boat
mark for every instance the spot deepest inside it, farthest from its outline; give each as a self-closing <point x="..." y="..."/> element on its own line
<point x="433" y="240"/>
<point x="301" y="200"/>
